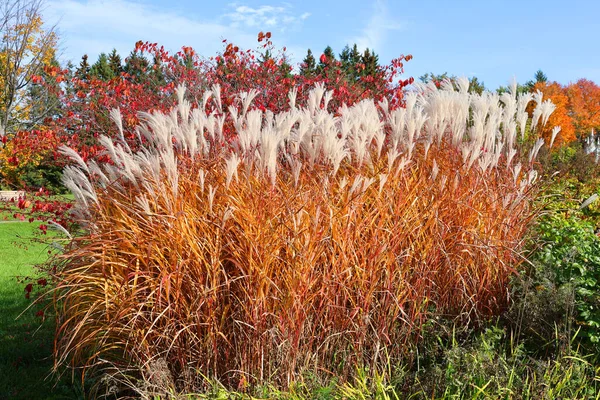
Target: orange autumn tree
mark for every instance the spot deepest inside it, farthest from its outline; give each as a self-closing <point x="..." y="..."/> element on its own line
<point x="560" y="117"/>
<point x="584" y="105"/>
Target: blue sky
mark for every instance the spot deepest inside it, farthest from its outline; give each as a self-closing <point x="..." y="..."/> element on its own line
<point x="494" y="40"/>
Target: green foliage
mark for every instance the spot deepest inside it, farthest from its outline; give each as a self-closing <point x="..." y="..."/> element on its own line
<point x="569" y="161"/>
<point x="539" y="77"/>
<point x="83" y="72"/>
<point x="371" y="63"/>
<point x="114" y="62"/>
<point x="309" y="64"/>
<point x="102" y="69"/>
<point x="569" y="258"/>
<point x="46" y="175"/>
<point x="350" y="59"/>
<point x="136" y="65"/>
<point x="475" y="86"/>
<point x="329" y="59"/>
<point x="487" y="365"/>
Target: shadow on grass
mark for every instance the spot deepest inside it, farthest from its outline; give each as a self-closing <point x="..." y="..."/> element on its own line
<point x="26" y="360"/>
<point x="26" y="340"/>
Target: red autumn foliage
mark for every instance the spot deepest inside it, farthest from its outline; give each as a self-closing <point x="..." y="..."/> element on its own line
<point x="86" y="103"/>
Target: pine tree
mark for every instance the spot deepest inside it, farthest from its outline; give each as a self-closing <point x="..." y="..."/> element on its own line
<point x="355" y="55"/>
<point x="114" y="62"/>
<point x="136" y="65"/>
<point x="539" y="77"/>
<point x="266" y="56"/>
<point x="309" y="64"/>
<point x="157" y="74"/>
<point x="475" y="86"/>
<point x="83" y="72"/>
<point x="101" y="69"/>
<point x="351" y="58"/>
<point x="371" y="62"/>
<point x="329" y="58"/>
<point x="285" y="68"/>
<point x="346" y="60"/>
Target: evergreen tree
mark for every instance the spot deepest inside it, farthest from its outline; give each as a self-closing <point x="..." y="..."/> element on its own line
<point x="309" y="64"/>
<point x="266" y="56"/>
<point x="157" y="74"/>
<point x="329" y="58"/>
<point x="329" y="53"/>
<point x="371" y="62"/>
<point x="346" y="60"/>
<point x="83" y="72"/>
<point x="539" y="77"/>
<point x="350" y="59"/>
<point x="114" y="62"/>
<point x="475" y="86"/>
<point x="430" y="76"/>
<point x="101" y="69"/>
<point x="136" y="65"/>
<point x="285" y="68"/>
<point x="187" y="60"/>
<point x="355" y="55"/>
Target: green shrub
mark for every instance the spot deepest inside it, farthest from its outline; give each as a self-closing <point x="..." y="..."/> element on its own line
<point x="568" y="261"/>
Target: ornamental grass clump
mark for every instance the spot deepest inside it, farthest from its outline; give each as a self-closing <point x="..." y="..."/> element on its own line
<point x="308" y="241"/>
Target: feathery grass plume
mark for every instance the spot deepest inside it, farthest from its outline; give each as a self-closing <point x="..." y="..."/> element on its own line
<point x="301" y="261"/>
<point x="555" y="132"/>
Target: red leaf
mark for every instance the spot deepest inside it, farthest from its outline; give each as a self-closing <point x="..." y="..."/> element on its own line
<point x="28" y="290"/>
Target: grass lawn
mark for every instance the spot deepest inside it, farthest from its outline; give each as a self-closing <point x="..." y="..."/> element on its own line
<point x="25" y="342"/>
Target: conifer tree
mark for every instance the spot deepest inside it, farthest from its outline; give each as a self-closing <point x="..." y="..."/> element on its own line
<point x="351" y="58"/>
<point x="355" y="55"/>
<point x="371" y="62"/>
<point x="101" y="68"/>
<point x="309" y="64"/>
<point x="114" y="62"/>
<point x="83" y="72"/>
<point x="329" y="57"/>
<point x="539" y="77"/>
<point x="156" y="73"/>
<point x="285" y="68"/>
<point x="346" y="60"/>
<point x="136" y="65"/>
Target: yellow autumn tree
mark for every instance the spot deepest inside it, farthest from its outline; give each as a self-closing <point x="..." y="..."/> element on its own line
<point x="26" y="47"/>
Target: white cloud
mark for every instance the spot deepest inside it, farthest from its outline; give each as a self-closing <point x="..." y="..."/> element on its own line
<point x="272" y="17"/>
<point x="377" y="29"/>
<point x="94" y="26"/>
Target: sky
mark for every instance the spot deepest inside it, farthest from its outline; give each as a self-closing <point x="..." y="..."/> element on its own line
<point x="494" y="40"/>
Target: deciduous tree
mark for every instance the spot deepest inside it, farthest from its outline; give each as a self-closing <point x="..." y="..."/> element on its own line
<point x="26" y="46"/>
<point x="584" y="106"/>
<point x="560" y="117"/>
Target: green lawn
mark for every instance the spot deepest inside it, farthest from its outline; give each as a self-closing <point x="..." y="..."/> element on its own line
<point x="25" y="341"/>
